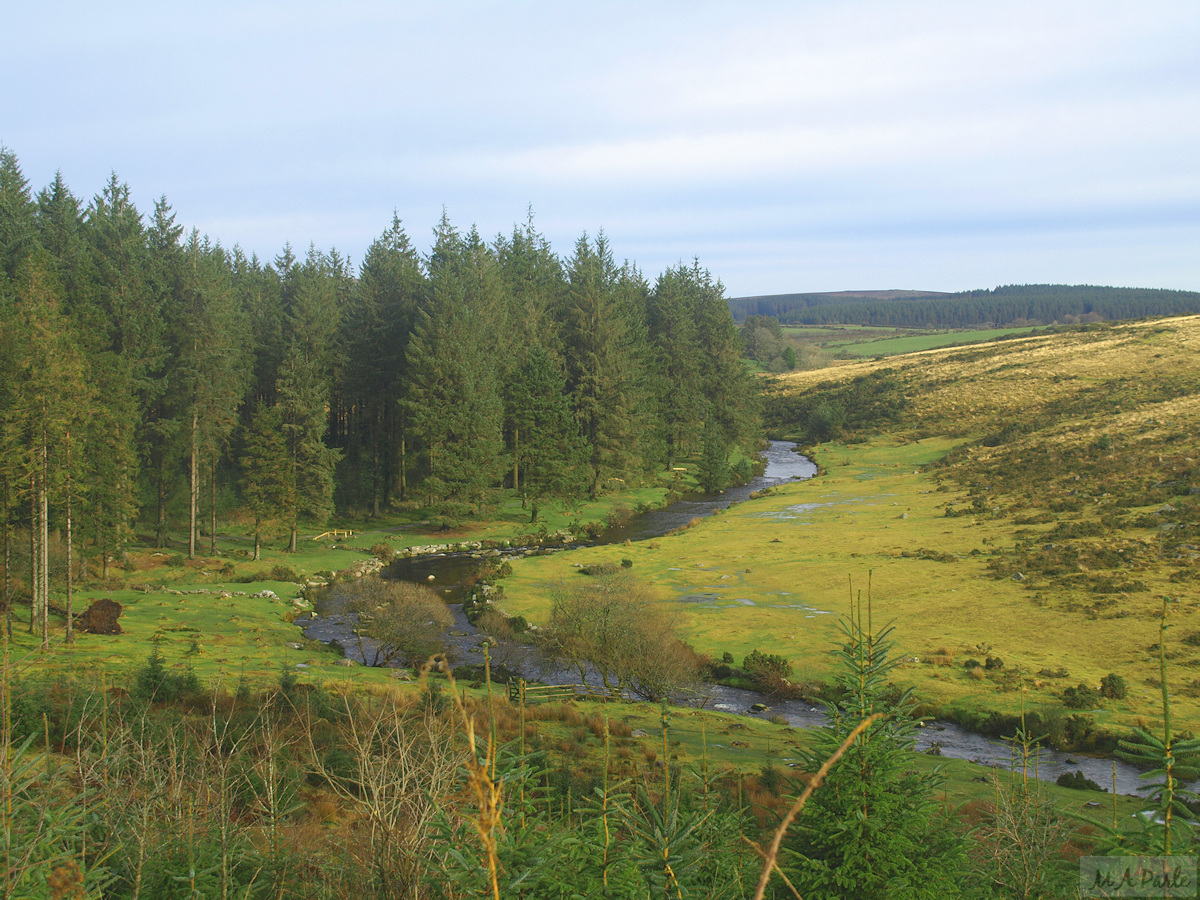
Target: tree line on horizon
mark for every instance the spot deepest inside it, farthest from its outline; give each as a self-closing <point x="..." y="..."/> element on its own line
<point x="145" y="367"/>
<point x="1007" y="305"/>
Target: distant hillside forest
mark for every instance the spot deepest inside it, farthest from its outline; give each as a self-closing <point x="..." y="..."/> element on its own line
<point x="1010" y="305"/>
<point x="145" y="367"/>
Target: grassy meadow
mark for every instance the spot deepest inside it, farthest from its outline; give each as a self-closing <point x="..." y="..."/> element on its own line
<point x="914" y="342"/>
<point x="999" y="452"/>
<point x="1032" y="502"/>
<point x="202" y="613"/>
<point x="1027" y="502"/>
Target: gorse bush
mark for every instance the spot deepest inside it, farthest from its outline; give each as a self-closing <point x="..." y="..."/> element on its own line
<point x="1081" y="697"/>
<point x="766" y="666"/>
<point x="1113" y="686"/>
<point x="284" y="573"/>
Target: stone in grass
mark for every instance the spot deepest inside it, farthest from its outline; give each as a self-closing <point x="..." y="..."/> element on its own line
<point x="100" y="618"/>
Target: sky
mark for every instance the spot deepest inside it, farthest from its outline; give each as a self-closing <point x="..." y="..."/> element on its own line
<point x="811" y="145"/>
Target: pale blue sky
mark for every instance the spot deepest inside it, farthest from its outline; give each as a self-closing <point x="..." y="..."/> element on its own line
<point x="799" y="146"/>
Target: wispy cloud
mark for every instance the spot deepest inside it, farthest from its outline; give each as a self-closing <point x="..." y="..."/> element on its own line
<point x="793" y="146"/>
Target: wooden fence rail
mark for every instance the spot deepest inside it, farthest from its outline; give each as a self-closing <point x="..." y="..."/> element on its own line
<point x="519" y="688"/>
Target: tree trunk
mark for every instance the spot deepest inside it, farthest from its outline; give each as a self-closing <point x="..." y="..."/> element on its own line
<point x="44" y="539"/>
<point x="516" y="461"/>
<point x="375" y="467"/>
<point x="292" y="541"/>
<point x="7" y="566"/>
<point x="256" y="523"/>
<point x="70" y="611"/>
<point x="34" y="575"/>
<point x="403" y="470"/>
<point x="160" y="525"/>
<point x="194" y="493"/>
<point x="212" y="483"/>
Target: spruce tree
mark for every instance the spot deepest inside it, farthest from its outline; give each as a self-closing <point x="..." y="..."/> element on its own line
<point x="547" y="446"/>
<point x="603" y="371"/>
<point x="453" y="400"/>
<point x="50" y="395"/>
<point x="375" y="329"/>
<point x="18" y="236"/>
<point x="268" y="477"/>
<point x="873" y="830"/>
<point x="303" y="395"/>
<point x="672" y="309"/>
<point x="211" y="367"/>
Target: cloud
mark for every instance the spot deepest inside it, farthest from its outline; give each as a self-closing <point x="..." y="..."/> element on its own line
<point x="870" y="138"/>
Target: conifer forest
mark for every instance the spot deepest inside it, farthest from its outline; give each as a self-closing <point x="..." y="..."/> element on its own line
<point x="179" y="420"/>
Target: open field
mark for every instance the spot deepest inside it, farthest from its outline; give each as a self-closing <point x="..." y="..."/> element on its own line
<point x="1032" y="501"/>
<point x="998" y="452"/>
<point x="913" y="343"/>
<point x="201" y="618"/>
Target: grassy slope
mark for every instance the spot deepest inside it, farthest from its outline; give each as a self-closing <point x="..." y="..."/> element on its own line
<point x="802" y="546"/>
<point x="913" y="343"/>
<point x="876" y="509"/>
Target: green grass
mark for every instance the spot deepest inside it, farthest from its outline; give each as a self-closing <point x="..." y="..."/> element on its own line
<point x="775" y="574"/>
<point x="822" y="332"/>
<point x="181" y="607"/>
<point x="917" y="342"/>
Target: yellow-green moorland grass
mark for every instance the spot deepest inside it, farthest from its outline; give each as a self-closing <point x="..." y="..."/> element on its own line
<point x="775" y="573"/>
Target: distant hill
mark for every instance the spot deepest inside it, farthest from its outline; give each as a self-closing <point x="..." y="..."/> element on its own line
<point x="1026" y="304"/>
<point x="781" y="305"/>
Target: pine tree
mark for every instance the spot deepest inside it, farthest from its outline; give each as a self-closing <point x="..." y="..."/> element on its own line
<point x="714" y="458"/>
<point x="672" y="311"/>
<point x="872" y="831"/>
<point x="121" y="318"/>
<point x="303" y="398"/>
<point x="452" y="399"/>
<point x="603" y="369"/>
<point x="18" y="236"/>
<point x="212" y="366"/>
<point x="164" y="415"/>
<point x="268" y="477"/>
<point x="547" y="446"/>
<point x="375" y="329"/>
<point x="50" y="396"/>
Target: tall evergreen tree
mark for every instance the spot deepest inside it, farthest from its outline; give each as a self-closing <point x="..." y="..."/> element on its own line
<point x="122" y="319"/>
<point x="18" y="236"/>
<point x="303" y="397"/>
<point x="453" y="400"/>
<point x="873" y="830"/>
<point x="212" y="366"/>
<point x="671" y="318"/>
<point x="602" y="369"/>
<point x="49" y="397"/>
<point x="60" y="228"/>
<point x="164" y="415"/>
<point x="375" y="329"/>
<point x="725" y="382"/>
<point x="268" y="476"/>
<point x="547" y="447"/>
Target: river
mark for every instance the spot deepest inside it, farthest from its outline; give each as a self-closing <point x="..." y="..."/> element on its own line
<point x="451" y="571"/>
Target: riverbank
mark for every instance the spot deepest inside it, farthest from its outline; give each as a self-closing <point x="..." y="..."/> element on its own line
<point x="776" y="573"/>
